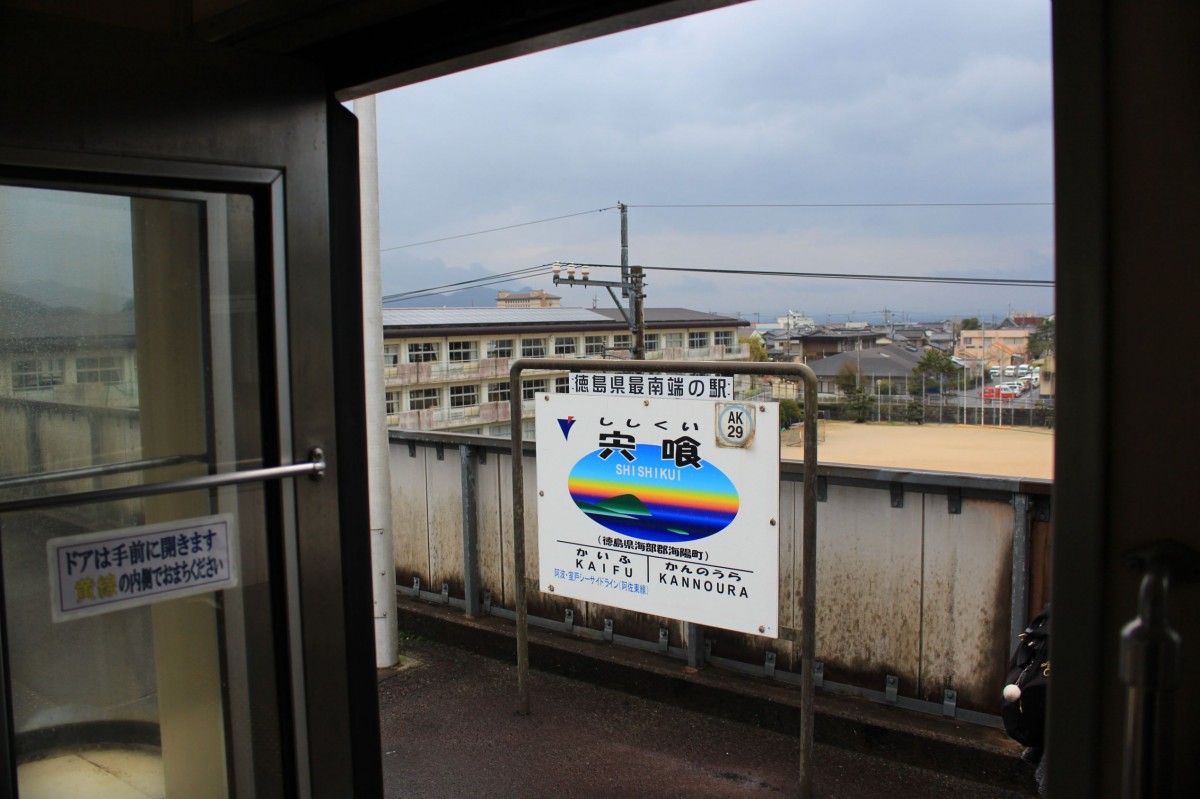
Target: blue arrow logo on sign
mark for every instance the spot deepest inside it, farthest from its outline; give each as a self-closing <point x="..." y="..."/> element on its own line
<point x="565" y="424"/>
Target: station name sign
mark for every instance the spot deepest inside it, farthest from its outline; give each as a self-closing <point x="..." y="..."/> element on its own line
<point x="667" y="507"/>
<point x="642" y="384"/>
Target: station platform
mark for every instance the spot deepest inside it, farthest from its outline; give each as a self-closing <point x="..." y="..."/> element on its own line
<point x="612" y="721"/>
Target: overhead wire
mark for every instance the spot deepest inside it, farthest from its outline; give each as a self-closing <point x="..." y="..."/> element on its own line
<point x="497" y="229"/>
<point x="841" y="205"/>
<point x="548" y="268"/>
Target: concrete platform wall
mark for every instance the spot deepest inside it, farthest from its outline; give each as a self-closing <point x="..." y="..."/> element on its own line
<point x="916" y="593"/>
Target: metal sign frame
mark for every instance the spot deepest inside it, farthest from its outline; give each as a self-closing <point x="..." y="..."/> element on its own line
<point x="809" y="521"/>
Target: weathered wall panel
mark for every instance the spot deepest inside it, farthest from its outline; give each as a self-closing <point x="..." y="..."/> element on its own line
<point x="494" y="504"/>
<point x="14" y="439"/>
<point x="791" y="530"/>
<point x="869" y="587"/>
<point x="410" y="514"/>
<point x="912" y="591"/>
<point x="65" y="439"/>
<point x="967" y="601"/>
<point x="444" y="495"/>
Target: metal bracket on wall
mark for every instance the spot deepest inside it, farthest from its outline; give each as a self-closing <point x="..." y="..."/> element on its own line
<point x="608" y="629"/>
<point x="1041" y="509"/>
<point x="954" y="500"/>
<point x="487" y="602"/>
<point x="446" y="593"/>
<point x="441" y="452"/>
<point x="897" y="495"/>
<point x="949" y="702"/>
<point x="569" y="620"/>
<point x="769" y="664"/>
<point x="822" y="489"/>
<point x="664" y="640"/>
<point x="416" y="589"/>
<point x="819" y="674"/>
<point x="891" y="690"/>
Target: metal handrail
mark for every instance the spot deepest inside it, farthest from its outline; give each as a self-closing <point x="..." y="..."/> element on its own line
<point x="101" y="470"/>
<point x="314" y="468"/>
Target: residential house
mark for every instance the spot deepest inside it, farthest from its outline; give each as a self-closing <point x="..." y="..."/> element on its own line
<point x="892" y="364"/>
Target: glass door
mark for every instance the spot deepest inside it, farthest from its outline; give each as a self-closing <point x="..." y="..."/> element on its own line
<point x="144" y="540"/>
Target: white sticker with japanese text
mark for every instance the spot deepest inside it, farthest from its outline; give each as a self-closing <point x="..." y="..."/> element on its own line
<point x="106" y="571"/>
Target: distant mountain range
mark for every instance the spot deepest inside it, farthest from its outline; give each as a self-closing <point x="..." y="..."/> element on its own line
<point x="52" y="294"/>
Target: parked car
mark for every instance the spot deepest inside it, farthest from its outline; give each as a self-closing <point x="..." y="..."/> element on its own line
<point x="1022" y="369"/>
<point x="1010" y="371"/>
<point x="1001" y="392"/>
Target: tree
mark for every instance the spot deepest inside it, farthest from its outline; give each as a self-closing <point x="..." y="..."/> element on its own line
<point x="1041" y="341"/>
<point x="858" y="404"/>
<point x="758" y="350"/>
<point x="936" y="367"/>
<point x="970" y="323"/>
<point x="914" y="411"/>
<point x="847" y="378"/>
<point x="790" y="412"/>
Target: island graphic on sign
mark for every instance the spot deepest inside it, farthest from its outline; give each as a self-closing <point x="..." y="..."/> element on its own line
<point x="650" y="498"/>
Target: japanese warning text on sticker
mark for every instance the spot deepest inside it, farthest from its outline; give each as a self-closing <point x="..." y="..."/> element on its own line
<point x="642" y="506"/>
<point x="102" y="572"/>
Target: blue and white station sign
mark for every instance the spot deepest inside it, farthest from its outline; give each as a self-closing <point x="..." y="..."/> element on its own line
<point x="645" y="504"/>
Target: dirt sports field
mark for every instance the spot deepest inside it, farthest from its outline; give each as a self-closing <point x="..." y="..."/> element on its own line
<point x="1006" y="451"/>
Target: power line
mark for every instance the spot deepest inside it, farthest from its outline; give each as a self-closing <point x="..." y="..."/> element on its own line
<point x="479" y="282"/>
<point x="995" y="281"/>
<point x="843" y="205"/>
<point x="720" y="205"/>
<point x="544" y="269"/>
<point x="497" y="229"/>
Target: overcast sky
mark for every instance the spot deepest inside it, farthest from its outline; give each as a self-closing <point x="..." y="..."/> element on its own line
<point x="772" y="102"/>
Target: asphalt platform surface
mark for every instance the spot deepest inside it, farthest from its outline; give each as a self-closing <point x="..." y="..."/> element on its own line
<point x="450" y="728"/>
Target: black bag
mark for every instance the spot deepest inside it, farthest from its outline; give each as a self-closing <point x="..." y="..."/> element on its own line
<point x="1023" y="709"/>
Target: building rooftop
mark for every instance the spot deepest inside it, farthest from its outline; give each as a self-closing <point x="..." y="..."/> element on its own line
<point x="676" y="316"/>
<point x="457" y="317"/>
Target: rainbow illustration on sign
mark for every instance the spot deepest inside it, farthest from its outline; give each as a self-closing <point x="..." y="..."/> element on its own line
<point x="652" y="499"/>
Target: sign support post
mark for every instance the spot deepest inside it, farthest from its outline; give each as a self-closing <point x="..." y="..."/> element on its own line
<point x="809" y="519"/>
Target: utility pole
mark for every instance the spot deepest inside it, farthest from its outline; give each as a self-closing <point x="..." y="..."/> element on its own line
<point x="636" y="279"/>
<point x="632" y="285"/>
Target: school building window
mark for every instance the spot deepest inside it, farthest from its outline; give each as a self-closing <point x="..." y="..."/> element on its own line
<point x="500" y="348"/>
<point x="459" y="351"/>
<point x="529" y="388"/>
<point x="98" y="370"/>
<point x="498" y="392"/>
<point x="533" y="348"/>
<point x="565" y="346"/>
<point x="594" y="345"/>
<point x="38" y="373"/>
<point x="420" y="399"/>
<point x="464" y="396"/>
<point x="422" y="352"/>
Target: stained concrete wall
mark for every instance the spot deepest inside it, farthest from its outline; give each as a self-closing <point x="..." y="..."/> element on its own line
<point x="905" y="587"/>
